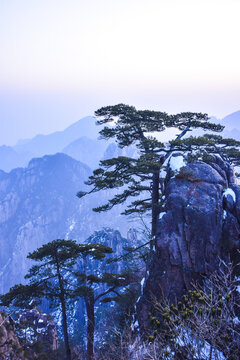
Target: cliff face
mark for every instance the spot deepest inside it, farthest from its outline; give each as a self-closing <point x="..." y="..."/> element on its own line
<point x="200" y="224"/>
<point x="29" y="336"/>
<point x="34" y="209"/>
<point x="10" y="346"/>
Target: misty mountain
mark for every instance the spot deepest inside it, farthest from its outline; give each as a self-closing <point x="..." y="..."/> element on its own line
<point x="89" y="151"/>
<point x="50" y="144"/>
<point x="10" y="159"/>
<point x="232" y="125"/>
<point x="80" y="142"/>
<point x="39" y="204"/>
<point x="20" y="154"/>
<point x="232" y="121"/>
<point x="114" y="151"/>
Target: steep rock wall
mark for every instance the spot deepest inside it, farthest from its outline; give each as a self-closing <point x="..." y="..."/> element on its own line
<point x="200" y="225"/>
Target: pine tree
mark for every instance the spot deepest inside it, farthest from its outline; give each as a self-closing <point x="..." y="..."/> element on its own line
<point x="54" y="279"/>
<point x="48" y="280"/>
<point x="139" y="178"/>
<point x="87" y="287"/>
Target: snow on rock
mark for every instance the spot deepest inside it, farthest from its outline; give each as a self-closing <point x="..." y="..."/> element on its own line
<point x="163" y="173"/>
<point x="237" y="171"/>
<point x="207" y="352"/>
<point x="202" y="349"/>
<point x="162" y="214"/>
<point x="231" y="193"/>
<point x="70" y="229"/>
<point x="224" y="214"/>
<point x="236" y="321"/>
<point x="134" y="326"/>
<point x="176" y="163"/>
<point x="142" y="284"/>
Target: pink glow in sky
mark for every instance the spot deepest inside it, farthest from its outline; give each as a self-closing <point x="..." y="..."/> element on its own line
<point x="61" y="60"/>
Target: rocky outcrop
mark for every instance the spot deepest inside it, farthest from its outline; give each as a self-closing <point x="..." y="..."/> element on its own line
<point x="27" y="335"/>
<point x="10" y="345"/>
<point x="200" y="225"/>
<point x="36" y="329"/>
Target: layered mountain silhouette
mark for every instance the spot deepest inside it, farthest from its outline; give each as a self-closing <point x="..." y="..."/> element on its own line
<point x="55" y="142"/>
<point x="86" y="150"/>
<point x="84" y="131"/>
<point x="232" y="125"/>
<point x="80" y="141"/>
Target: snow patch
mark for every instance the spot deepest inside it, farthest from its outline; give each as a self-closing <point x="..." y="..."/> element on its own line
<point x="142" y="284"/>
<point x="134" y="326"/>
<point x="162" y="214"/>
<point x="5" y="266"/>
<point x="231" y="193"/>
<point x="224" y="214"/>
<point x="70" y="229"/>
<point x="236" y="321"/>
<point x="202" y="349"/>
<point x="176" y="163"/>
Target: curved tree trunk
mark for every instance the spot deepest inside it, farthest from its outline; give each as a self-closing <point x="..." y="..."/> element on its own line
<point x="90" y="326"/>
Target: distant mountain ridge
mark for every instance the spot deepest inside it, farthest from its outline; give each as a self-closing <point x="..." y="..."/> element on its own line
<point x="86" y="150"/>
<point x="232" y="121"/>
<point x="232" y="125"/>
<point x="20" y="154"/>
<point x="55" y="142"/>
<point x="79" y="141"/>
<point x="10" y="159"/>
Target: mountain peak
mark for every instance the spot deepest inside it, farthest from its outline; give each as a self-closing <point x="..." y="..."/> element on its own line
<point x="55" y="142"/>
<point x="232" y="121"/>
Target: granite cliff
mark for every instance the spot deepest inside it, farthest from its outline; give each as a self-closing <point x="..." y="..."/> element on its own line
<point x="200" y="224"/>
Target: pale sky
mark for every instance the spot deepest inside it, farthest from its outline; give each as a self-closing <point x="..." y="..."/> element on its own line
<point x="61" y="60"/>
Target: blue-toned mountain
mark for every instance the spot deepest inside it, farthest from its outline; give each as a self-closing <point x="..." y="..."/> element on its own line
<point x="232" y="125"/>
<point x="55" y="142"/>
<point x="20" y="154"/>
<point x="39" y="204"/>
